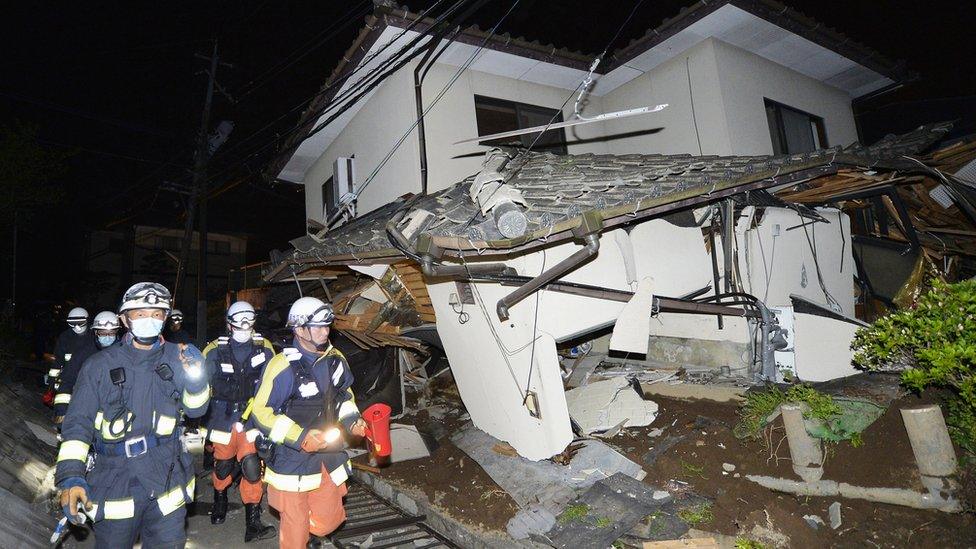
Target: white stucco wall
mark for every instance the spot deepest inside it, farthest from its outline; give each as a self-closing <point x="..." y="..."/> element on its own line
<point x="746" y="78"/>
<point x="369" y="136"/>
<point x="453" y="119"/>
<point x="672" y="131"/>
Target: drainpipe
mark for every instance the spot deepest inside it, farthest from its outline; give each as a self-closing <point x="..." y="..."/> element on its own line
<point x="428" y="251"/>
<point x="589" y="231"/>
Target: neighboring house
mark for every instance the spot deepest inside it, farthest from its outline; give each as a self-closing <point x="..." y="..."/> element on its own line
<point x="121" y="258"/>
<point x="740" y="78"/>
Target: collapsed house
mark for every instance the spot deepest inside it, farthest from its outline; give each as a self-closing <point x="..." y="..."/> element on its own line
<point x="748" y="247"/>
<point x="737" y="267"/>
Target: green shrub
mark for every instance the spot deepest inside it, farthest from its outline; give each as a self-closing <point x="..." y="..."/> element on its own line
<point x="760" y="404"/>
<point x="933" y="345"/>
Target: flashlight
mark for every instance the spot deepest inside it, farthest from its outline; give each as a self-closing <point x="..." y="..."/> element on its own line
<point x="194" y="371"/>
<point x="331" y="435"/>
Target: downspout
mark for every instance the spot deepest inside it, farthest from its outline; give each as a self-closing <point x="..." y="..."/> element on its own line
<point x="426" y="62"/>
<point x="589" y="231"/>
<point x="418" y="83"/>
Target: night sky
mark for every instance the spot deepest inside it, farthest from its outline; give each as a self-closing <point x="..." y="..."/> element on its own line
<point x="116" y="87"/>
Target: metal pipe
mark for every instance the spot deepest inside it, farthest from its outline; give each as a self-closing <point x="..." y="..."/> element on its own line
<point x="664" y="304"/>
<point x="429" y="268"/>
<point x="711" y="243"/>
<point x="590" y="249"/>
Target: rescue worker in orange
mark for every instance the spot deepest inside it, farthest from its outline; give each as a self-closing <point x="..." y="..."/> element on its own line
<point x="234" y="363"/>
<point x="302" y="406"/>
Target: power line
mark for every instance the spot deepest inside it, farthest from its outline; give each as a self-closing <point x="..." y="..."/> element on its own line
<point x="337" y="81"/>
<point x="317" y="41"/>
<point x="138" y="128"/>
<point x="433" y="103"/>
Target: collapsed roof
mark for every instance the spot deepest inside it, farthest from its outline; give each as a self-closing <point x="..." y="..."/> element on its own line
<point x="554" y="192"/>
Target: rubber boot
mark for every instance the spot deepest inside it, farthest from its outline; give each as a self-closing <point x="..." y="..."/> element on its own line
<point x="218" y="513"/>
<point x="255" y="529"/>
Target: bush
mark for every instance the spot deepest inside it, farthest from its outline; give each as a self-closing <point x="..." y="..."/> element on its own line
<point x="761" y="404"/>
<point x="933" y="345"/>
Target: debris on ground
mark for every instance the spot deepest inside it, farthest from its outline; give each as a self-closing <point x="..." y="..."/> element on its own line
<point x="617" y="504"/>
<point x="407" y="443"/>
<point x="835" y="519"/>
<point x="814" y="521"/>
<point x="603" y="405"/>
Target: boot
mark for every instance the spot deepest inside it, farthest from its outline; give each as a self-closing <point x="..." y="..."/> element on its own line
<point x="255" y="529"/>
<point x="218" y="513"/>
<point x="315" y="542"/>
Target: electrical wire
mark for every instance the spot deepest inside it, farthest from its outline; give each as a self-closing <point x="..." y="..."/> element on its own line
<point x="535" y="330"/>
<point x="556" y="114"/>
<point x="831" y="301"/>
<point x="337" y="100"/>
<point x="355" y="194"/>
<point x="317" y="41"/>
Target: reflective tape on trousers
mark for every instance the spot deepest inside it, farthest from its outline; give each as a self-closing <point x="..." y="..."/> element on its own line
<point x="219" y="437"/>
<point x="119" y="509"/>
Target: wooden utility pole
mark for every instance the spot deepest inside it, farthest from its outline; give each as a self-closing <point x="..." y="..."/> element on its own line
<point x="198" y="199"/>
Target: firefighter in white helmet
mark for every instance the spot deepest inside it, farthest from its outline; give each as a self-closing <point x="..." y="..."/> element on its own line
<point x="75" y="343"/>
<point x="174" y="332"/>
<point x="126" y="407"/>
<point x="103" y="332"/>
<point x="235" y="363"/>
<point x="303" y="401"/>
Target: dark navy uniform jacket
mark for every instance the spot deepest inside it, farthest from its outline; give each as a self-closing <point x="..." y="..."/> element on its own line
<point x="70" y="353"/>
<point x="234" y="370"/>
<point x="133" y="426"/>
<point x="303" y="381"/>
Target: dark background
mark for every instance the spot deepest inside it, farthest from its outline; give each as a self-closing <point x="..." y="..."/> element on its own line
<point x="115" y="87"/>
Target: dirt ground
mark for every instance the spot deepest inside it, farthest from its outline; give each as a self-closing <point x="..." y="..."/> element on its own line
<point x="696" y="442"/>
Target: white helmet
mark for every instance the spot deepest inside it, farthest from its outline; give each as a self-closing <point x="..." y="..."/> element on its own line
<point x="176" y="315"/>
<point x="106" y="320"/>
<point x="241" y="315"/>
<point x="78" y="316"/>
<point x="310" y="311"/>
<point x="146" y="295"/>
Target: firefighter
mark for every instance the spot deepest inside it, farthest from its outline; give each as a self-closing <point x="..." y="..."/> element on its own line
<point x="174" y="328"/>
<point x="126" y="408"/>
<point x="103" y="332"/>
<point x="235" y="363"/>
<point x="303" y="400"/>
<point x="74" y="343"/>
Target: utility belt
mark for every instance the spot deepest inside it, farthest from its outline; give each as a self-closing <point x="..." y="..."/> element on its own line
<point x="132" y="447"/>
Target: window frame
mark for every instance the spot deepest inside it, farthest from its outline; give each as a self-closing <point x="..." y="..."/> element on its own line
<point x="560" y="147"/>
<point x="779" y="142"/>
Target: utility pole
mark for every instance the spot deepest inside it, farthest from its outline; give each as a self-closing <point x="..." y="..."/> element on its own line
<point x="13" y="271"/>
<point x="198" y="199"/>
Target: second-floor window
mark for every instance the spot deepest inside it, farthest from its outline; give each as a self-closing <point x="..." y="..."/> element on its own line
<point x="794" y="131"/>
<point x="499" y="115"/>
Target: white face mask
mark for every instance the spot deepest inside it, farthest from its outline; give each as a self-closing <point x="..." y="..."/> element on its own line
<point x="105" y="341"/>
<point x="79" y="329"/>
<point x="241" y="336"/>
<point x="146" y="328"/>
